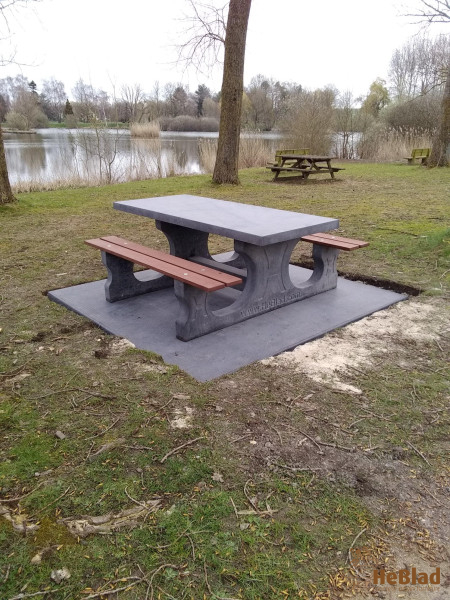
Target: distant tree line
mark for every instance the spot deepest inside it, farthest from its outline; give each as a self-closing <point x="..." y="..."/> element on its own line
<point x="408" y="100"/>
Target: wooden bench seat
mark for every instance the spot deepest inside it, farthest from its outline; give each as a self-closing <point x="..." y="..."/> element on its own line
<point x="305" y="172"/>
<point x="310" y="171"/>
<point x="418" y="153"/>
<point x="196" y="275"/>
<point x="334" y="241"/>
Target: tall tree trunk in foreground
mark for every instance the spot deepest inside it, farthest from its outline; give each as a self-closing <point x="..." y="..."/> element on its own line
<point x="226" y="167"/>
<point x="440" y="151"/>
<point x="6" y="194"/>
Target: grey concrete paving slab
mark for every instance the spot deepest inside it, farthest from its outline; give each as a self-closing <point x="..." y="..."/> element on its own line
<point x="148" y="321"/>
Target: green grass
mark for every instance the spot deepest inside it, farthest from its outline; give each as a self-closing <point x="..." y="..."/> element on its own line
<point x="60" y="373"/>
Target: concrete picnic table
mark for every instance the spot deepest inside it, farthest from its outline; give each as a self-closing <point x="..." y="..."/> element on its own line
<point x="263" y="239"/>
<point x="305" y="164"/>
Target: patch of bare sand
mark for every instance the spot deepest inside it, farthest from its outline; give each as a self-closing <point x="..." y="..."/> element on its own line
<point x="358" y="345"/>
<point x="399" y="331"/>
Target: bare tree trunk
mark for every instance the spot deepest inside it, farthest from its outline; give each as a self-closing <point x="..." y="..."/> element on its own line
<point x="226" y="167"/>
<point x="6" y="195"/>
<point x="440" y="151"/>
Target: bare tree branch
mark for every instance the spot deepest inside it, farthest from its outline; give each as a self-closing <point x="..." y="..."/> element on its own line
<point x="205" y="36"/>
<point x="432" y="11"/>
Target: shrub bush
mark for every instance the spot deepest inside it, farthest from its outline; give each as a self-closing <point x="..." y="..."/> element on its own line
<point x="187" y="123"/>
<point x="145" y="130"/>
<point x="380" y="143"/>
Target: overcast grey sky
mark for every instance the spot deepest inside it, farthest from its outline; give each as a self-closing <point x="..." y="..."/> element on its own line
<point x="346" y="43"/>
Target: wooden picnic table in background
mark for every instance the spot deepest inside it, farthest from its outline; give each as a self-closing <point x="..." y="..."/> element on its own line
<point x="305" y="164"/>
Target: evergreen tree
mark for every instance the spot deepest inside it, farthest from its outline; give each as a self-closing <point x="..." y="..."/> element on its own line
<point x="68" y="110"/>
<point x="200" y="95"/>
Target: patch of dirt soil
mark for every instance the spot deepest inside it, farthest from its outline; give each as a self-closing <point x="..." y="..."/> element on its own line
<point x="267" y="435"/>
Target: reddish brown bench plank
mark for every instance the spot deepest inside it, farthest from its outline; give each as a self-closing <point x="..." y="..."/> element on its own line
<point x="225" y="278"/>
<point x="327" y="239"/>
<point x="180" y="273"/>
<point x="176" y="272"/>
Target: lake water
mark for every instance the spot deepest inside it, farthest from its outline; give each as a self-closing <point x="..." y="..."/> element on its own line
<point x="105" y="155"/>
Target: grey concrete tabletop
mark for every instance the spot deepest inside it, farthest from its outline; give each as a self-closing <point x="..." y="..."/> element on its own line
<point x="257" y="225"/>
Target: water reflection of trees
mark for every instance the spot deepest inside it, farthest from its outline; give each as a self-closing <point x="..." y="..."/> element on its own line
<point x="95" y="156"/>
<point x="27" y="159"/>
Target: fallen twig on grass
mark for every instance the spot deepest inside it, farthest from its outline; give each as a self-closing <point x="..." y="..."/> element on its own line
<point x="17" y="498"/>
<point x="161" y="408"/>
<point x="104" y="431"/>
<point x="96" y="394"/>
<point x="206" y="577"/>
<point x="244" y="513"/>
<point x="279" y="402"/>
<point x="134" y="500"/>
<point x="335" y="425"/>
<point x="242" y="437"/>
<point x="234" y="506"/>
<point x="73" y="389"/>
<point x="319" y="449"/>
<point x="378" y="416"/>
<point x="20" y="596"/>
<point x="298" y="469"/>
<point x="110" y="523"/>
<point x="250" y="501"/>
<point x="360" y="419"/>
<point x="192" y="546"/>
<point x="8" y="569"/>
<point x="278" y="434"/>
<point x="419" y="453"/>
<point x="149" y="591"/>
<point x="175" y="450"/>
<point x="114" y="591"/>
<point x="346" y="448"/>
<point x="109" y="446"/>
<point x="350" y="553"/>
<point x="14" y="372"/>
<point x="53" y="501"/>
<point x="209" y="587"/>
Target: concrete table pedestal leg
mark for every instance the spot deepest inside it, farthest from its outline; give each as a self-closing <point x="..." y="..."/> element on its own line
<point x="185" y="242"/>
<point x="122" y="282"/>
<point x="268" y="286"/>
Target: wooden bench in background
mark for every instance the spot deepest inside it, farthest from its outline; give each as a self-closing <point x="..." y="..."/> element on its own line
<point x="119" y="255"/>
<point x="418" y="153"/>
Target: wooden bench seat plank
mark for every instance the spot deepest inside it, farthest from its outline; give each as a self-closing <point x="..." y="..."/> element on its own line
<point x="176" y="272"/>
<point x="339" y="238"/>
<point x="324" y="239"/>
<point x="304" y="170"/>
<point x="225" y="278"/>
<point x="333" y="243"/>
